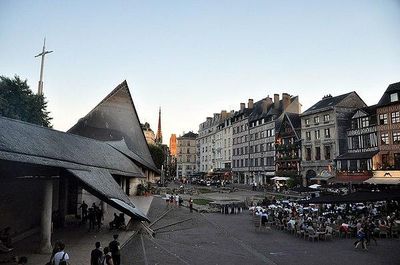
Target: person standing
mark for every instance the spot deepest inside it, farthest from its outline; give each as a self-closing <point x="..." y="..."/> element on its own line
<point x="92" y="218"/>
<point x="84" y="208"/>
<point x="115" y="250"/>
<point x="96" y="257"/>
<point x="99" y="217"/>
<point x="61" y="255"/>
<point x="191" y="204"/>
<point x="107" y="259"/>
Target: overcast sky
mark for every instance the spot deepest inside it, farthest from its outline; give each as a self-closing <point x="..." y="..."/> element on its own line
<point x="194" y="58"/>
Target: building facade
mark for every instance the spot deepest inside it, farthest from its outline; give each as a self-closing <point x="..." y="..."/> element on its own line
<point x="172" y="144"/>
<point x="186" y="155"/>
<point x="324" y="134"/>
<point x="357" y="164"/>
<point x="288" y="148"/>
<point x="388" y="114"/>
<point x="148" y="133"/>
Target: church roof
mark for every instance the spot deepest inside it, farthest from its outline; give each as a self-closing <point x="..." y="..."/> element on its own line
<point x="91" y="161"/>
<point x="115" y="119"/>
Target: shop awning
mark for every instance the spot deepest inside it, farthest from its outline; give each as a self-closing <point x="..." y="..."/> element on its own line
<point x="383" y="181"/>
<point x="280" y="178"/>
<point x="101" y="184"/>
<point x="355" y="156"/>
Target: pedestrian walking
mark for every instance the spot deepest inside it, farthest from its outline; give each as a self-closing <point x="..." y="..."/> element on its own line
<point x="107" y="259"/>
<point x="96" y="256"/>
<point x="115" y="250"/>
<point x="191" y="204"/>
<point x="61" y="257"/>
<point x="360" y="239"/>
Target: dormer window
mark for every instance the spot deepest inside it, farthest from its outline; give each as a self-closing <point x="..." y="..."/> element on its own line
<point x="394" y="97"/>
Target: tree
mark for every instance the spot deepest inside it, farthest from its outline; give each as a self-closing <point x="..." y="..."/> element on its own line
<point x="18" y="102"/>
<point x="157" y="154"/>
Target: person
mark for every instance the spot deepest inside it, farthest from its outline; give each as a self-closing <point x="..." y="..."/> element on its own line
<point x="61" y="255"/>
<point x="121" y="224"/>
<point x="264" y="217"/>
<point x="96" y="256"/>
<point x="191" y="204"/>
<point x="84" y="208"/>
<point x="114" y="223"/>
<point x="99" y="217"/>
<point x="92" y="218"/>
<point x="115" y="250"/>
<point x="56" y="249"/>
<point x="107" y="259"/>
<point x="360" y="239"/>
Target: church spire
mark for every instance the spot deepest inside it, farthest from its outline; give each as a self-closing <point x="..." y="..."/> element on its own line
<point x="159" y="133"/>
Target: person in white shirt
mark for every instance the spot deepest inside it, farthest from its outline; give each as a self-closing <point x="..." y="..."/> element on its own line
<point x="60" y="254"/>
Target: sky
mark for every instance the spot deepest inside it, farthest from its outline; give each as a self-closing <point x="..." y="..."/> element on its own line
<point x="196" y="58"/>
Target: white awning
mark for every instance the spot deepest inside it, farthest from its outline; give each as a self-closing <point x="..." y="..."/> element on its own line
<point x="384" y="181"/>
<point x="280" y="178"/>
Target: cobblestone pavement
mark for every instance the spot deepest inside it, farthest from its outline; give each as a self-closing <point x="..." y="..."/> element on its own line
<point x="232" y="239"/>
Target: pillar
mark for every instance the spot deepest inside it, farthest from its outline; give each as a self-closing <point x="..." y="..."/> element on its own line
<point x="103" y="206"/>
<point x="45" y="222"/>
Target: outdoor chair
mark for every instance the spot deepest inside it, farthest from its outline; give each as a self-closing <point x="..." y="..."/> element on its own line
<point x="313" y="236"/>
<point x="257" y="222"/>
<point x="395" y="232"/>
<point x="305" y="234"/>
<point x="299" y="233"/>
<point x="328" y="232"/>
<point x="383" y="231"/>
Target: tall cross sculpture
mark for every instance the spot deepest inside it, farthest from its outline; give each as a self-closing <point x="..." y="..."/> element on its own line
<point x="42" y="54"/>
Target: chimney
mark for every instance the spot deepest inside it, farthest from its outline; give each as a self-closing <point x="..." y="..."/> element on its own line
<point x="250" y="103"/>
<point x="276" y="101"/>
<point x="224" y="114"/>
<point x="266" y="103"/>
<point x="285" y="100"/>
<point x="242" y="106"/>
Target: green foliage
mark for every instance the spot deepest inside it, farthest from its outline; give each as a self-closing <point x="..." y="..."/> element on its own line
<point x="18" y="102"/>
<point x="157" y="154"/>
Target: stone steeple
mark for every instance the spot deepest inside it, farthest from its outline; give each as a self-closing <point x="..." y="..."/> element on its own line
<point x="159" y="133"/>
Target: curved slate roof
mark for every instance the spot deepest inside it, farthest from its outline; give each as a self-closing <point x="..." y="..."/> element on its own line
<point x="57" y="148"/>
<point x="115" y="119"/>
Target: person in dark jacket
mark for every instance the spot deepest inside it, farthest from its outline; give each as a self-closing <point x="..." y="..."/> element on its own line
<point x="96" y="257"/>
<point x="115" y="250"/>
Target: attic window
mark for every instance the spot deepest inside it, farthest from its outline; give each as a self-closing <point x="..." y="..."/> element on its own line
<point x="394" y="97"/>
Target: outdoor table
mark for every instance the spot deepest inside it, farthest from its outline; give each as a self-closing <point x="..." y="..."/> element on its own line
<point x="320" y="234"/>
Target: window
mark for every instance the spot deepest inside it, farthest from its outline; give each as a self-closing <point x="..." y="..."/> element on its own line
<point x="355" y="142"/>
<point x="367" y="140"/>
<point x="354" y="124"/>
<point x="383" y="119"/>
<point x="307" y="122"/>
<point x="396" y="117"/>
<point x="308" y="135"/>
<point x="327" y="133"/>
<point x="317" y="153"/>
<point x="396" y="137"/>
<point x="326" y="118"/>
<point x="317" y="135"/>
<point x="364" y="122"/>
<point x="308" y="153"/>
<point x="384" y="138"/>
<point x="327" y="152"/>
<point x="394" y="97"/>
<point x="316" y="120"/>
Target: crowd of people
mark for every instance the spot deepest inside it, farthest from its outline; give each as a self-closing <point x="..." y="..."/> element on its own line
<point x="93" y="215"/>
<point x="365" y="221"/>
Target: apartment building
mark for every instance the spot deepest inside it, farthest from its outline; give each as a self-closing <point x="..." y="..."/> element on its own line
<point x="324" y="134"/>
<point x="186" y="155"/>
